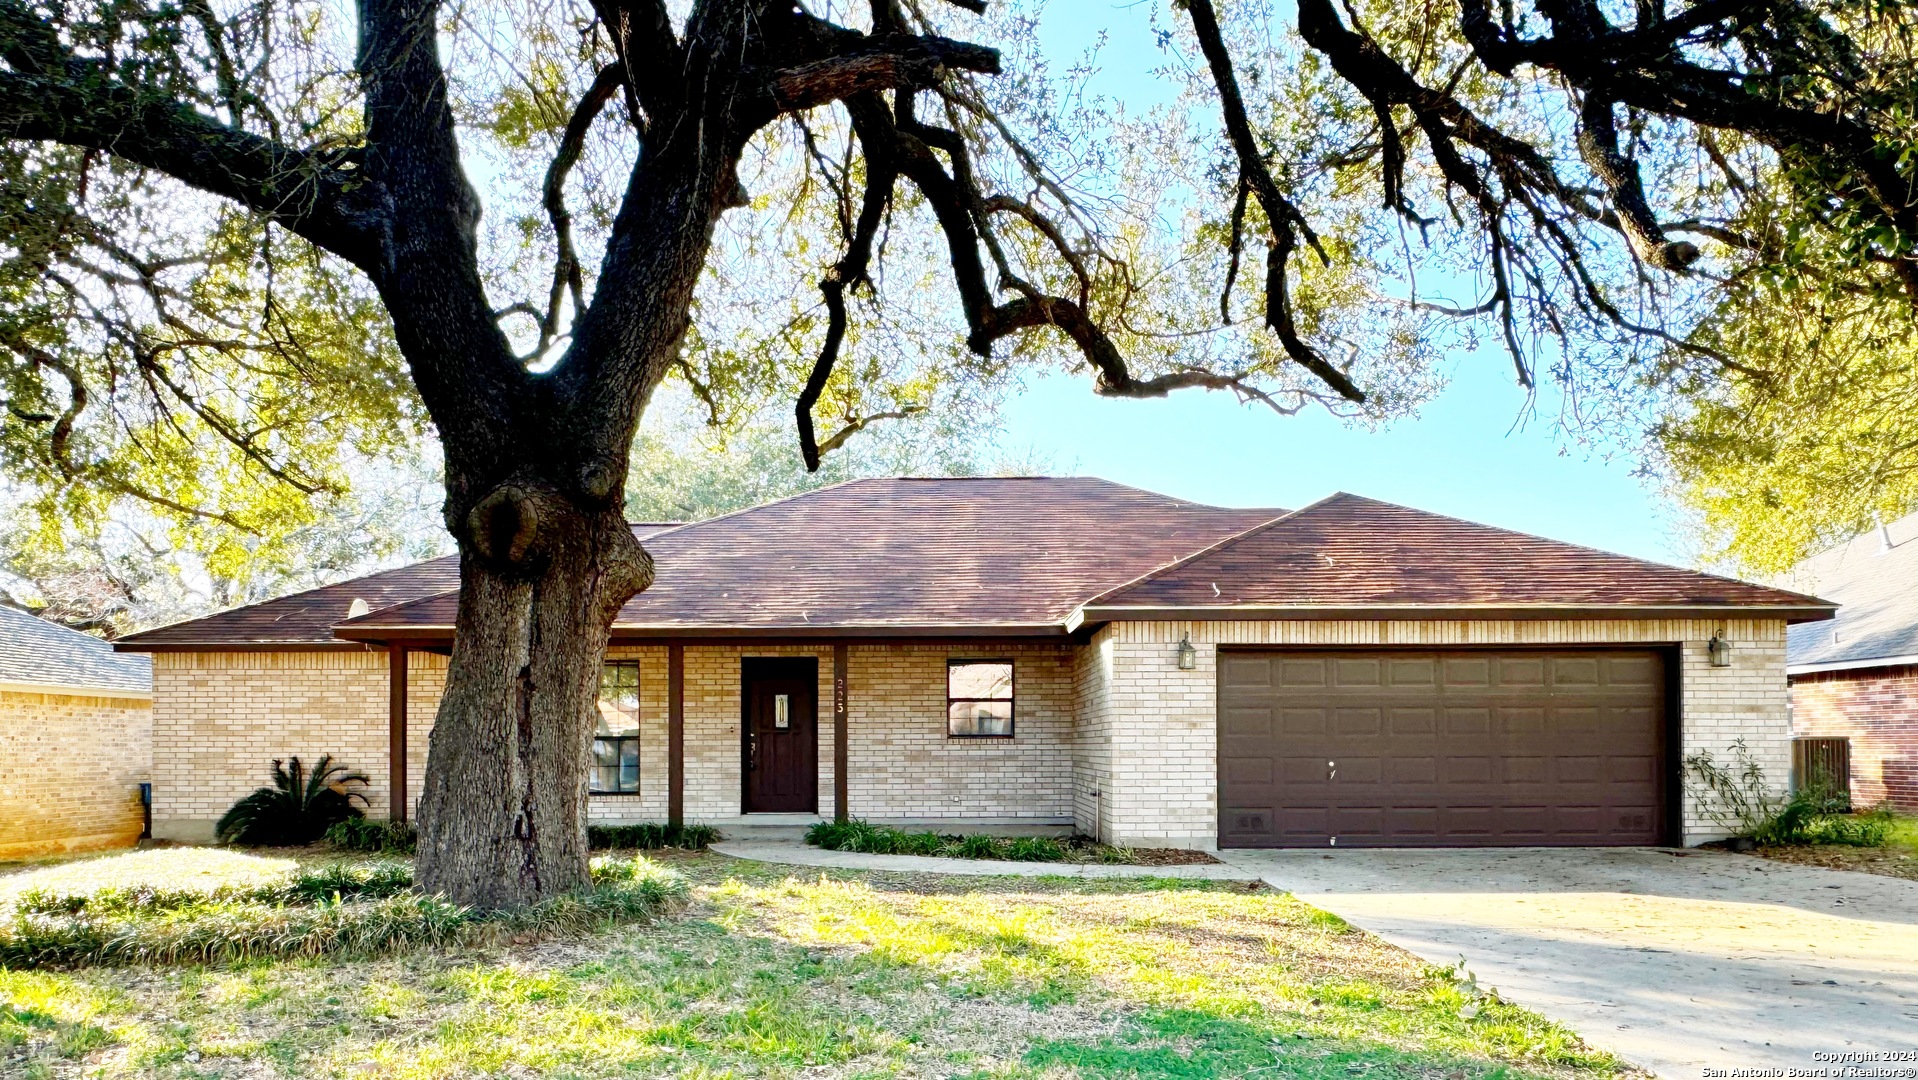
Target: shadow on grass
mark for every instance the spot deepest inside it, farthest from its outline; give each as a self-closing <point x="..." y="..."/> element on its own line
<point x="1183" y="1044"/>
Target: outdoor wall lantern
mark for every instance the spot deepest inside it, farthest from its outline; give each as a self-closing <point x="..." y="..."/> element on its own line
<point x="1188" y="656"/>
<point x="1720" y="650"/>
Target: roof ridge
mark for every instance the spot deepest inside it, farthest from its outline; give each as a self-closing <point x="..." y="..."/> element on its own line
<point x="1209" y="548"/>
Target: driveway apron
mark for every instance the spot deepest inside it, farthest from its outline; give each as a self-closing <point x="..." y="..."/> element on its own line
<point x="1678" y="961"/>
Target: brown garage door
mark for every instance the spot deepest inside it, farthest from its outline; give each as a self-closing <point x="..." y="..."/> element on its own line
<point x="1465" y="747"/>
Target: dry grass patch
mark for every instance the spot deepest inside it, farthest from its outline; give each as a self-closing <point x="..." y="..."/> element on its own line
<point x="840" y="975"/>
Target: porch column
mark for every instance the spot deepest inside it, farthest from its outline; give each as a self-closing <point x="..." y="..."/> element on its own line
<point x="675" y="735"/>
<point x="396" y="731"/>
<point x="840" y="812"/>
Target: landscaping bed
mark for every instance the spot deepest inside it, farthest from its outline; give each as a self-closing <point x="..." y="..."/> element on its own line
<point x="866" y="838"/>
<point x="1896" y="857"/>
<point x="829" y="974"/>
<point x="154" y="908"/>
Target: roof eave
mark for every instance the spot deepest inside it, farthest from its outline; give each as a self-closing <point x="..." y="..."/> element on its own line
<point x="1852" y="665"/>
<point x="324" y="645"/>
<point x="1095" y="613"/>
<point x="15" y="686"/>
<point x="626" y="633"/>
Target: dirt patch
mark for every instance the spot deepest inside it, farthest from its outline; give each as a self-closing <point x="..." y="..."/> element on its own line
<point x="1898" y="862"/>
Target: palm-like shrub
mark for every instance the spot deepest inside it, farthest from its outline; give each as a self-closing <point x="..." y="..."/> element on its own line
<point x="297" y="809"/>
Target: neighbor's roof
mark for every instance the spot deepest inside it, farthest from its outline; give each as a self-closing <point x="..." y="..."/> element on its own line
<point x="1875" y="580"/>
<point x="38" y="654"/>
<point x="1348" y="556"/>
<point x="1038" y="555"/>
<point x="971" y="555"/>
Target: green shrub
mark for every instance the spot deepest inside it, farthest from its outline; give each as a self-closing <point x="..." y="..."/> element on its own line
<point x="651" y="837"/>
<point x="1737" y="797"/>
<point x="374" y="837"/>
<point x="1034" y="849"/>
<point x="977" y="847"/>
<point x="870" y="839"/>
<point x="306" y="886"/>
<point x="297" y="809"/>
<point x="339" y="910"/>
<point x="1871" y="828"/>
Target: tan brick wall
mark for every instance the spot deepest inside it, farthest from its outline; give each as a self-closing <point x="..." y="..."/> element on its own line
<point x="1092" y="729"/>
<point x="70" y="771"/>
<point x="1156" y="723"/>
<point x="220" y="719"/>
<point x="901" y="765"/>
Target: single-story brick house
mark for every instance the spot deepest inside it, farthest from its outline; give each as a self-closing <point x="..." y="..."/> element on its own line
<point x="1049" y="652"/>
<point x="1856" y="677"/>
<point x="75" y="739"/>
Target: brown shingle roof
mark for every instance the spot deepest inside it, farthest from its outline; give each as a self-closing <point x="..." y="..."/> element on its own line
<point x="953" y="555"/>
<point x="307" y="618"/>
<point x="1347" y="552"/>
<point x="1020" y="555"/>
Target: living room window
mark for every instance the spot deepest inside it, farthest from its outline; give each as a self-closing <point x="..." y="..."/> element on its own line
<point x="979" y="699"/>
<point x="616" y="738"/>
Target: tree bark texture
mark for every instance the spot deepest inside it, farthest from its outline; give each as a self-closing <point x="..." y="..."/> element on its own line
<point x="503" y="815"/>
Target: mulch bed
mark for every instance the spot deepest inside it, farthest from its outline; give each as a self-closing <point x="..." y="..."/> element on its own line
<point x="1161" y="856"/>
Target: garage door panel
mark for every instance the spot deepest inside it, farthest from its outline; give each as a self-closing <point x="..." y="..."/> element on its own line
<point x="1245" y="669"/>
<point x="1253" y="723"/>
<point x="1521" y="673"/>
<point x="1304" y="721"/>
<point x="1366" y="673"/>
<point x="1463" y="747"/>
<point x="1250" y="772"/>
<point x="1295" y="672"/>
<point x="1358" y="722"/>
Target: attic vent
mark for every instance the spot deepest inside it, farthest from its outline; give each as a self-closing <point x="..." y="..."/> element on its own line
<point x="358" y="608"/>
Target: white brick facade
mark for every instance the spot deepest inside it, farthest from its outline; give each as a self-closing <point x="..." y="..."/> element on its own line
<point x="1111" y="735"/>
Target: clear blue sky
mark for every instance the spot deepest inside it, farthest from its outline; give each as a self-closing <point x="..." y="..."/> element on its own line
<point x="1460" y="456"/>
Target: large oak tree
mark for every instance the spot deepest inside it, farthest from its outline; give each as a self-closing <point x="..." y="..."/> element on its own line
<point x="209" y="199"/>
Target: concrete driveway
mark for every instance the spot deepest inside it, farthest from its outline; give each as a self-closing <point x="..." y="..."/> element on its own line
<point x="1678" y="961"/>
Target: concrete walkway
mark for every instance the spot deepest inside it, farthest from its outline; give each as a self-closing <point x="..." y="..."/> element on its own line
<point x="795" y="853"/>
<point x="1677" y="961"/>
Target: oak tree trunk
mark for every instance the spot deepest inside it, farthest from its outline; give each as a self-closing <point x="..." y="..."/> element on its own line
<point x="503" y="813"/>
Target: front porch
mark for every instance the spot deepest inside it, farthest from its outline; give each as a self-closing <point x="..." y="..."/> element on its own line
<point x="879" y="723"/>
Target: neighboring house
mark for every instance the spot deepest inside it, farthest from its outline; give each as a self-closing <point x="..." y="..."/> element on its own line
<point x="1058" y="653"/>
<point x="75" y="739"/>
<point x="1856" y="677"/>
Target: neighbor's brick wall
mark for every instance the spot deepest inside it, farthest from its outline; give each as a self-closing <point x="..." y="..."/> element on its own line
<point x="902" y="766"/>
<point x="1877" y="709"/>
<point x="220" y="719"/>
<point x="1162" y="786"/>
<point x="70" y="771"/>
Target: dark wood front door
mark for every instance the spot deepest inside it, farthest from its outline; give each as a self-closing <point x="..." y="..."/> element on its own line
<point x="780" y="698"/>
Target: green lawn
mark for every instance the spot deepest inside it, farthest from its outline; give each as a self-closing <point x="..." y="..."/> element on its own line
<point x="786" y="974"/>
